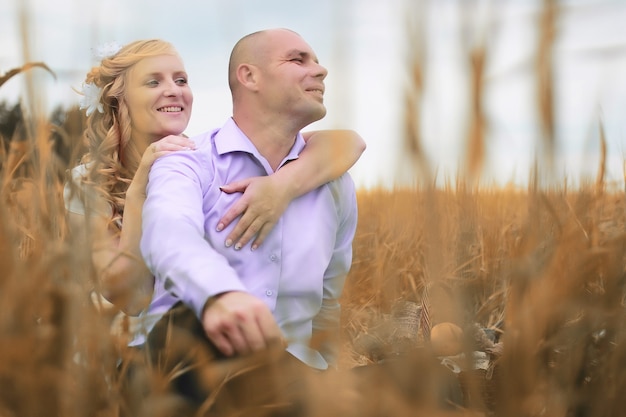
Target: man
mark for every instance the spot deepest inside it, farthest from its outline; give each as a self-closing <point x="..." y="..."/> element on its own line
<point x="288" y="289"/>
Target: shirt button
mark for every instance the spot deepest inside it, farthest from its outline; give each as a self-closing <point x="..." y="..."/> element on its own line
<point x="273" y="258"/>
<point x="269" y="293"/>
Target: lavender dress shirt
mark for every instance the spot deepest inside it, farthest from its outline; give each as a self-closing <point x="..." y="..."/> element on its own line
<point x="299" y="271"/>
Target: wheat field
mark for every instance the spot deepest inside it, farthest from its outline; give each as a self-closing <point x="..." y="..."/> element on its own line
<point x="539" y="271"/>
<point x="544" y="269"/>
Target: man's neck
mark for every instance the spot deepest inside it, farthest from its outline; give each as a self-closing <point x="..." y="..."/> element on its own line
<point x="273" y="139"/>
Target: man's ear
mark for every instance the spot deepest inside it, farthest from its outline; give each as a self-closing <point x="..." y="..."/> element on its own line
<point x="247" y="75"/>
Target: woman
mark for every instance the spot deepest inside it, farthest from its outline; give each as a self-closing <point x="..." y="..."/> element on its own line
<point x="138" y="105"/>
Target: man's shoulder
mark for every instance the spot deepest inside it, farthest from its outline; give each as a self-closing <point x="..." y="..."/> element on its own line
<point x="198" y="156"/>
<point x="205" y="139"/>
<point x="343" y="191"/>
<point x="344" y="184"/>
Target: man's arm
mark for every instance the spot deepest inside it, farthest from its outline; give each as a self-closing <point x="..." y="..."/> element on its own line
<point x="326" y="325"/>
<point x="172" y="242"/>
<point x="186" y="264"/>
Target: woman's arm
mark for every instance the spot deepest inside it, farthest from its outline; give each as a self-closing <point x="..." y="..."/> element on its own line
<point x="328" y="154"/>
<point x="123" y="276"/>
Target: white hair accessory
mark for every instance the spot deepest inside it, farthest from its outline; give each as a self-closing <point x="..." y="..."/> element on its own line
<point x="106" y="50"/>
<point x="90" y="99"/>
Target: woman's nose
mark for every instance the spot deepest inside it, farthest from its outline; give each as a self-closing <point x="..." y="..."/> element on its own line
<point x="172" y="90"/>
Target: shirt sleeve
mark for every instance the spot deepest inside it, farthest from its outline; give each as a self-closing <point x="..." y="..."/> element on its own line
<point x="326" y="324"/>
<point x="173" y="243"/>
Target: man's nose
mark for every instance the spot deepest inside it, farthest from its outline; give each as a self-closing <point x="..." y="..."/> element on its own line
<point x="320" y="71"/>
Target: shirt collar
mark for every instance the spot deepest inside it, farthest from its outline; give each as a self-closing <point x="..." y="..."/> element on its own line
<point x="231" y="139"/>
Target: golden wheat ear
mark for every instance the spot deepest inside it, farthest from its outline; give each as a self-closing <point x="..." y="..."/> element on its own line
<point x="15" y="71"/>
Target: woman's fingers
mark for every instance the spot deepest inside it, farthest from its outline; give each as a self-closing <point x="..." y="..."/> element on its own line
<point x="172" y="143"/>
<point x="245" y="231"/>
<point x="251" y="224"/>
<point x="262" y="234"/>
<point x="236" y="209"/>
<point x="232" y="213"/>
<point x="237" y="186"/>
<point x="258" y="209"/>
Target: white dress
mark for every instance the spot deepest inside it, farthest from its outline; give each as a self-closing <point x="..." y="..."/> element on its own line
<point x="80" y="198"/>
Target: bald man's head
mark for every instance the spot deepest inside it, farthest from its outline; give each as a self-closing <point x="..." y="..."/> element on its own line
<point x="251" y="49"/>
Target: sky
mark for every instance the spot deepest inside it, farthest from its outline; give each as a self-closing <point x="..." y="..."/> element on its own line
<point x="365" y="44"/>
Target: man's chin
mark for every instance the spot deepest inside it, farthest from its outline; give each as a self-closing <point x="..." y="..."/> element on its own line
<point x="312" y="114"/>
<point x="320" y="114"/>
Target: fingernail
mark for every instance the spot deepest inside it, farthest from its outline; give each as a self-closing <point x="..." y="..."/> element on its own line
<point x="253" y="247"/>
<point x="228" y="243"/>
<point x="238" y="246"/>
<point x="220" y="227"/>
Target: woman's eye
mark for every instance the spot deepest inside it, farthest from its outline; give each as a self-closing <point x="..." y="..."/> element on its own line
<point x="152" y="83"/>
<point x="181" y="81"/>
<point x="296" y="60"/>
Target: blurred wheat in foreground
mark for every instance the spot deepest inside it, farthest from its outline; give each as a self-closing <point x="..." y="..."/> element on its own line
<point x="543" y="269"/>
<point x="539" y="273"/>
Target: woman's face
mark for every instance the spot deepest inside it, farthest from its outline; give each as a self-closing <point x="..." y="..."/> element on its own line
<point x="158" y="97"/>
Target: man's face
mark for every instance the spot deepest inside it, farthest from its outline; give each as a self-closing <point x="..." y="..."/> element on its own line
<point x="158" y="97"/>
<point x="292" y="78"/>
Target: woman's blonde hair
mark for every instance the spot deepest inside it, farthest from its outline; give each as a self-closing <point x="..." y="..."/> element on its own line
<point x="113" y="155"/>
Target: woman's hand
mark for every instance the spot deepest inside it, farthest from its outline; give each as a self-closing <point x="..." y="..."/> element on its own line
<point x="264" y="200"/>
<point x="153" y="152"/>
<point x="165" y="146"/>
<point x="328" y="154"/>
